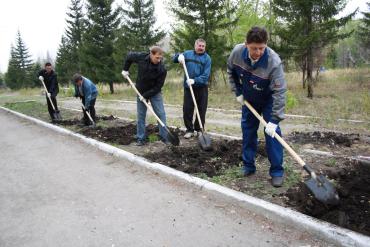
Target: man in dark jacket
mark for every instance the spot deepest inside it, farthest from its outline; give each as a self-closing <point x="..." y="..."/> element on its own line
<point x="150" y="79"/>
<point x="256" y="75"/>
<point x="86" y="90"/>
<point x="50" y="79"/>
<point x="198" y="64"/>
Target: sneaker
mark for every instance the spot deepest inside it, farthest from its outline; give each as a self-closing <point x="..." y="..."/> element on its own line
<point x="277" y="181"/>
<point x="140" y="143"/>
<point x="188" y="135"/>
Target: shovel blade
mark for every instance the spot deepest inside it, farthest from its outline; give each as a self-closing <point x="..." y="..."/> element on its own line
<point x="205" y="142"/>
<point x="173" y="138"/>
<point x="323" y="190"/>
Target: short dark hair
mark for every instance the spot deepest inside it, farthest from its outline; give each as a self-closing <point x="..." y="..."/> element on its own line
<point x="76" y="77"/>
<point x="47" y="64"/>
<point x="257" y="35"/>
<point x="156" y="49"/>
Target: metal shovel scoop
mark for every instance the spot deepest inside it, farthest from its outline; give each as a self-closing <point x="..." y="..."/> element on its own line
<point x="172" y="137"/>
<point x="321" y="188"/>
<point x="56" y="114"/>
<point x="204" y="139"/>
<point x="88" y="115"/>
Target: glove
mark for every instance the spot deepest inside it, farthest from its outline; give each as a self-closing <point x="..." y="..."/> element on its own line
<point x="190" y="82"/>
<point x="240" y="99"/>
<point x="181" y="58"/>
<point x="48" y="94"/>
<point x="125" y="73"/>
<point x="141" y="98"/>
<point x="41" y="78"/>
<point x="270" y="129"/>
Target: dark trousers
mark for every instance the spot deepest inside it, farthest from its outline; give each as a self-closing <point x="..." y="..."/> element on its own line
<point x="50" y="107"/>
<point x="273" y="147"/>
<point x="91" y="111"/>
<point x="201" y="97"/>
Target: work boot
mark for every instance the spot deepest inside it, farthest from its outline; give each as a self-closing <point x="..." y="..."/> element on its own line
<point x="188" y="135"/>
<point x="140" y="143"/>
<point x="277" y="181"/>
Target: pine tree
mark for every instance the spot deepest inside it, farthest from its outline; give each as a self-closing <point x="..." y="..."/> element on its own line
<point x="363" y="32"/>
<point x="97" y="41"/>
<point x="64" y="65"/>
<point x="137" y="32"/>
<point x="306" y="28"/>
<point x="19" y="72"/>
<point x="203" y="19"/>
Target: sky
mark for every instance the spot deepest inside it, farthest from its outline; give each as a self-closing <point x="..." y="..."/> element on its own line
<point x="42" y="23"/>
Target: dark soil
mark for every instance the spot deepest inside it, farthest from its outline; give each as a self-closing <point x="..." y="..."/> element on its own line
<point x="353" y="185"/>
<point x="123" y="135"/>
<point x="324" y="138"/>
<point x="77" y="121"/>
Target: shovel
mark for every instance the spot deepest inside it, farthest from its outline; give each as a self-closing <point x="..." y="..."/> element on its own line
<point x="56" y="114"/>
<point x="203" y="139"/>
<point x="322" y="189"/>
<point x="88" y="115"/>
<point x="172" y="137"/>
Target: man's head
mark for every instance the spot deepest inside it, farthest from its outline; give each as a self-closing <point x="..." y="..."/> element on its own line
<point x="200" y="46"/>
<point x="77" y="79"/>
<point x="156" y="54"/>
<point x="48" y="67"/>
<point x="256" y="42"/>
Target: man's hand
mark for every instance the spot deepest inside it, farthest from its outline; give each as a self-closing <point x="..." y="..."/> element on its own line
<point x="125" y="74"/>
<point x="190" y="82"/>
<point x="270" y="129"/>
<point x="48" y="94"/>
<point x="240" y="99"/>
<point x="181" y="58"/>
<point x="41" y="78"/>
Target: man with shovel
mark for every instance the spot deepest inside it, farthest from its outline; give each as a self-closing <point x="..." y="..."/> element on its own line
<point x="149" y="82"/>
<point x="49" y="77"/>
<point x="256" y="75"/>
<point x="86" y="90"/>
<point x="198" y="64"/>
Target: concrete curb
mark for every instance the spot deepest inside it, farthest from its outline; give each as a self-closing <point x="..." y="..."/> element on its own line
<point x="324" y="230"/>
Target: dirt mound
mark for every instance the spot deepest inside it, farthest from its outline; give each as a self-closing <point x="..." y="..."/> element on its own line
<point x="78" y="121"/>
<point x="123" y="135"/>
<point x="353" y="212"/>
<point x="225" y="154"/>
<point x="328" y="138"/>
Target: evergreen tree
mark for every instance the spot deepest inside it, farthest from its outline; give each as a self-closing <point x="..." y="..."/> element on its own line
<point x="363" y="33"/>
<point x="97" y="41"/>
<point x="19" y="72"/>
<point x="1" y="80"/>
<point x="64" y="65"/>
<point x="137" y="32"/>
<point x="203" y="19"/>
<point x="36" y="67"/>
<point x="306" y="28"/>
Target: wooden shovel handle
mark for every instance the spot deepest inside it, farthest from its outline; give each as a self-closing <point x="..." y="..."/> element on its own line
<point x="47" y="93"/>
<point x="193" y="96"/>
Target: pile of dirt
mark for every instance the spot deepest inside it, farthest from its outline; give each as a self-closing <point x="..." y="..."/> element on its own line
<point x="77" y="121"/>
<point x="324" y="138"/>
<point x="353" y="212"/>
<point x="193" y="159"/>
<point x="123" y="135"/>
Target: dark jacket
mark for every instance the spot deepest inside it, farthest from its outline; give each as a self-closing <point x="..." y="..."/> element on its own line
<point x="150" y="78"/>
<point x="198" y="66"/>
<point x="89" y="91"/>
<point x="51" y="82"/>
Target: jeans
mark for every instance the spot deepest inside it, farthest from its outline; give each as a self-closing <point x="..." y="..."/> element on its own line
<point x="156" y="102"/>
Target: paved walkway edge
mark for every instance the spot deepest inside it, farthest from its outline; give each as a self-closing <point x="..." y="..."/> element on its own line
<point x="322" y="229"/>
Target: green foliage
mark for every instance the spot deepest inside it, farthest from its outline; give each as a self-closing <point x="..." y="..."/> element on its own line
<point x="97" y="41"/>
<point x="291" y="100"/>
<point x="68" y="55"/>
<point x="363" y="32"/>
<point x="153" y="138"/>
<point x="137" y="32"/>
<point x="19" y="72"/>
<point x="207" y="20"/>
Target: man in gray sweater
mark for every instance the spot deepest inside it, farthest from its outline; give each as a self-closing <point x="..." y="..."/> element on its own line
<point x="256" y="75"/>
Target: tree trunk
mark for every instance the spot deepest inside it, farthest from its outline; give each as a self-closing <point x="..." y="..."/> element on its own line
<point x="111" y="87"/>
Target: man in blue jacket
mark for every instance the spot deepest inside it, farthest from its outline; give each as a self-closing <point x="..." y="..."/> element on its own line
<point x="198" y="64"/>
<point x="87" y="91"/>
<point x="256" y="75"/>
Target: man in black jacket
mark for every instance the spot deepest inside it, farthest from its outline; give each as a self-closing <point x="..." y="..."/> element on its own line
<point x="150" y="79"/>
<point x="50" y="79"/>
